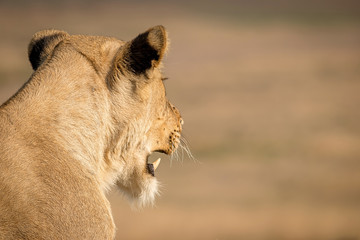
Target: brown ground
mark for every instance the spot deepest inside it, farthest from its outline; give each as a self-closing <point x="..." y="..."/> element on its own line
<point x="271" y="105"/>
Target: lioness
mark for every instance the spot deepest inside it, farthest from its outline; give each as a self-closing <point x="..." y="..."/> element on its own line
<point x="89" y="117"/>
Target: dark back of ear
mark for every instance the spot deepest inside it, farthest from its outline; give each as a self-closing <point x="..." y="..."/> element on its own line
<point x="144" y="52"/>
<point x="42" y="44"/>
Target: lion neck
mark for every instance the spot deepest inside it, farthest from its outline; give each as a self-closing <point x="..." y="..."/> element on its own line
<point x="61" y="112"/>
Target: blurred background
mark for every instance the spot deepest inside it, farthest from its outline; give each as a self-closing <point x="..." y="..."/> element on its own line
<point x="270" y="95"/>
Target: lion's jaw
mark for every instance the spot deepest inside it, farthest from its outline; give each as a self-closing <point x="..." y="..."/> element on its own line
<point x="155" y="127"/>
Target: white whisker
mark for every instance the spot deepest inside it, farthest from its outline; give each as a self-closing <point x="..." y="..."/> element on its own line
<point x="185" y="147"/>
<point x="182" y="149"/>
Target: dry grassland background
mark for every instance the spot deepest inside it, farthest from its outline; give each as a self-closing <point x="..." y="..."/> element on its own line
<point x="270" y="95"/>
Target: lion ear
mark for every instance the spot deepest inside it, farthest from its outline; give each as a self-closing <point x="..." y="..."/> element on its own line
<point x="145" y="51"/>
<point x="42" y="44"/>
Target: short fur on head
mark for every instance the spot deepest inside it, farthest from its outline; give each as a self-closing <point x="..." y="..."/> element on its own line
<point x="89" y="117"/>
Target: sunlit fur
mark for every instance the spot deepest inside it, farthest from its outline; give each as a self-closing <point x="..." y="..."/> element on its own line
<point x="88" y="118"/>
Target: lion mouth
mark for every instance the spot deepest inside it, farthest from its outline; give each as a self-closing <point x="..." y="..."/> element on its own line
<point x="174" y="140"/>
<point x="151" y="167"/>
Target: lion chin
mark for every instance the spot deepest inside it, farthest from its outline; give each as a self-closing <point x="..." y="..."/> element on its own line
<point x="148" y="193"/>
<point x="142" y="187"/>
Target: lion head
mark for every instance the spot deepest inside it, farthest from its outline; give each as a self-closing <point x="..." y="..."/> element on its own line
<point x="117" y="113"/>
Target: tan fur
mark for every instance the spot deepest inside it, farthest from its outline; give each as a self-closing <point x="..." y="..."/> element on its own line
<point x="89" y="117"/>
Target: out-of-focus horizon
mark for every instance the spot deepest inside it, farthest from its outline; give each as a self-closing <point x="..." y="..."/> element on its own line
<point x="269" y="91"/>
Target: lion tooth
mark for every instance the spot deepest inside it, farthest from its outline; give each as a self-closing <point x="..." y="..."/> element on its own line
<point x="156" y="163"/>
